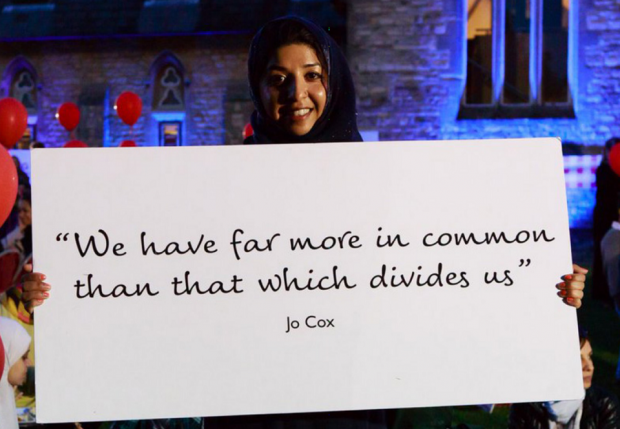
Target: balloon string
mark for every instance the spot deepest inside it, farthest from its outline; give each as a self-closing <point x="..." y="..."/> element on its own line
<point x="72" y="135"/>
<point x="131" y="132"/>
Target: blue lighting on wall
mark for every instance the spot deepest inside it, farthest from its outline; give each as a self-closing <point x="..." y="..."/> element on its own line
<point x="588" y="129"/>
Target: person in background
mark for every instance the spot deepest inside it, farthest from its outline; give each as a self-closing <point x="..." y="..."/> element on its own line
<point x="25" y="141"/>
<point x="610" y="257"/>
<point x="607" y="189"/>
<point x="16" y="344"/>
<point x="598" y="410"/>
<point x="23" y="181"/>
<point x="12" y="222"/>
<point x="36" y="145"/>
<point x="11" y="303"/>
<point x="9" y="224"/>
<point x="21" y="236"/>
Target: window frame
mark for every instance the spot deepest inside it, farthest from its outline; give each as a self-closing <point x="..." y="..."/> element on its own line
<point x="174" y="114"/>
<point x="179" y="120"/>
<point x="534" y="108"/>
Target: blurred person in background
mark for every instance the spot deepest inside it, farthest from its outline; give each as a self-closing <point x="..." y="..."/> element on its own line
<point x="23" y="185"/>
<point x="23" y="181"/>
<point x="11" y="302"/>
<point x="16" y="345"/>
<point x="598" y="410"/>
<point x="20" y="238"/>
<point x="610" y="256"/>
<point x="605" y="212"/>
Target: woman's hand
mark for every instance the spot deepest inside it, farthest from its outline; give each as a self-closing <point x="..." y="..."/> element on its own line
<point x="571" y="288"/>
<point x="35" y="290"/>
<point x="18" y="393"/>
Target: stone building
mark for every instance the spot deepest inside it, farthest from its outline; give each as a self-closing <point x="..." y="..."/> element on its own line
<point x="423" y="69"/>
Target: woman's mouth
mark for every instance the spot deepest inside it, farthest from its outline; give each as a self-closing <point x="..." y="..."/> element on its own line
<point x="299" y="114"/>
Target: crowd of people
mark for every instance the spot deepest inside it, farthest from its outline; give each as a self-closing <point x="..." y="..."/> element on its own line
<point x="303" y="92"/>
<point x="16" y="323"/>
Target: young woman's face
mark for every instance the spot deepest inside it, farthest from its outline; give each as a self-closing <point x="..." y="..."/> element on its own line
<point x="24" y="212"/>
<point x="587" y="366"/>
<point x="17" y="372"/>
<point x="292" y="89"/>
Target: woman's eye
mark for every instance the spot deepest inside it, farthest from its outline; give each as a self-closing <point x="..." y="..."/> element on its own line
<point x="275" y="79"/>
<point x="313" y="76"/>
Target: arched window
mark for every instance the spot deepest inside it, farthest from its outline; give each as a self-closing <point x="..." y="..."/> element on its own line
<point x="168" y="98"/>
<point x="20" y="81"/>
<point x="23" y="87"/>
<point x="169" y="89"/>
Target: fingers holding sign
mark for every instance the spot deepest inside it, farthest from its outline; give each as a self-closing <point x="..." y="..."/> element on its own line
<point x="571" y="288"/>
<point x="36" y="291"/>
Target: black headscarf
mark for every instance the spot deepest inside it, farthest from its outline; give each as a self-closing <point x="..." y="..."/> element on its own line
<point x="338" y="123"/>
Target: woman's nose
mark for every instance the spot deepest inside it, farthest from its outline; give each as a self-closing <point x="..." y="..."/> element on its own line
<point x="297" y="89"/>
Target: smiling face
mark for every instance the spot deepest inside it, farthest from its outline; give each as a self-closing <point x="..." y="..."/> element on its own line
<point x="292" y="89"/>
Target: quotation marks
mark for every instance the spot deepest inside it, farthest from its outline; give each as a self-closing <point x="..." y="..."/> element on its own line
<point x="524" y="262"/>
<point x="62" y="237"/>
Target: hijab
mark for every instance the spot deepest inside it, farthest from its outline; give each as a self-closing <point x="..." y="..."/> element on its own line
<point x="16" y="342"/>
<point x="338" y="123"/>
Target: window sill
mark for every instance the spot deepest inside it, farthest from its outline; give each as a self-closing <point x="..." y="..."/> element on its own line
<point x="516" y="112"/>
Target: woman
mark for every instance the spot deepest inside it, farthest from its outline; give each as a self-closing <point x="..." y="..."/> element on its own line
<point x="303" y="92"/>
<point x="301" y="86"/>
<point x="16" y="344"/>
<point x="598" y="410"/>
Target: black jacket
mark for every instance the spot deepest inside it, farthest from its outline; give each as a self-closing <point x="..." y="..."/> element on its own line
<point x="600" y="411"/>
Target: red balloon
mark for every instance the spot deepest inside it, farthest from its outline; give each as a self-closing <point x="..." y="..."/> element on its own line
<point x="128" y="107"/>
<point x="614" y="159"/>
<point x="128" y="143"/>
<point x="247" y="131"/>
<point x="8" y="184"/>
<point x="75" y="143"/>
<point x="13" y="121"/>
<point x="68" y="115"/>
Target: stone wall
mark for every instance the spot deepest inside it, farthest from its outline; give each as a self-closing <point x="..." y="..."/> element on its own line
<point x="407" y="58"/>
<point x="402" y="66"/>
<point x="408" y="64"/>
<point x="73" y="70"/>
<point x="599" y="66"/>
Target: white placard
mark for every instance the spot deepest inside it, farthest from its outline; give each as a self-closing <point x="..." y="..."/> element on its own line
<point x="456" y="211"/>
